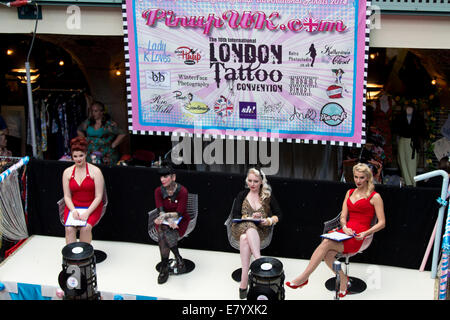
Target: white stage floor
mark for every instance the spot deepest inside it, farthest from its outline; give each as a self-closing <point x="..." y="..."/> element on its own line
<point x="129" y="270"/>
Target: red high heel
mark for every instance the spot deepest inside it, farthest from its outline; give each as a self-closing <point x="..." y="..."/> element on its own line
<point x="293" y="286"/>
<point x="342" y="293"/>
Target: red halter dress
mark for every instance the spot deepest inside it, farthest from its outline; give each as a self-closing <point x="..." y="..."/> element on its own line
<point x="82" y="196"/>
<point x="360" y="216"/>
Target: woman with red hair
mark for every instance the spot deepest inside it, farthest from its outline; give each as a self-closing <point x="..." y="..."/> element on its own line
<point x="83" y="186"/>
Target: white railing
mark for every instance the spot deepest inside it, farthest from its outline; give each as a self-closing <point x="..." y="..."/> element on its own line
<point x="23" y="161"/>
<point x="439" y="222"/>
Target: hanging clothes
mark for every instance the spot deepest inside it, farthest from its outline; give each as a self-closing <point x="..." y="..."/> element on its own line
<point x="43" y="119"/>
<point x="57" y="115"/>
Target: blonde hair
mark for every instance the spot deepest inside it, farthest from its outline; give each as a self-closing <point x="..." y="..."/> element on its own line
<point x="265" y="191"/>
<point x="365" y="169"/>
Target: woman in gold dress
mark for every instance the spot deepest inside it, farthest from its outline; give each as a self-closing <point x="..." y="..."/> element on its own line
<point x="255" y="202"/>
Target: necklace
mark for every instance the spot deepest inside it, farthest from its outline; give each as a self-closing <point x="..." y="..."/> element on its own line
<point x="171" y="189"/>
<point x="359" y="194"/>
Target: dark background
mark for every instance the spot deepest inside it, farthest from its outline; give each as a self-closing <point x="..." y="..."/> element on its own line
<point x="410" y="212"/>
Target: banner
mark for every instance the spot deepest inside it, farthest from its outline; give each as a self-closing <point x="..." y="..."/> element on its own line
<point x="276" y="69"/>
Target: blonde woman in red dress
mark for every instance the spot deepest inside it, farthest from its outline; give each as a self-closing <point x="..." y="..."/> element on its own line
<point x="83" y="185"/>
<point x="360" y="206"/>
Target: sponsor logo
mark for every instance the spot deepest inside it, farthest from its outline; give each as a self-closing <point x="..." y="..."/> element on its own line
<point x="334" y="91"/>
<point x="247" y="110"/>
<point x="188" y="55"/>
<point x="223" y="107"/>
<point x="333" y="114"/>
<point x="336" y="56"/>
<point x="156" y="79"/>
<point x="160" y="104"/>
<point x="197" y="107"/>
<point x="272" y="107"/>
<point x="156" y="52"/>
<point x="310" y="114"/>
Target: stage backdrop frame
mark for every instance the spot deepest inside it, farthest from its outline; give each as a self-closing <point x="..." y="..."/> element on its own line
<point x="286" y="70"/>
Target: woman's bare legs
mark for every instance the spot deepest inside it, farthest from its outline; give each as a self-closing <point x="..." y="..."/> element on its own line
<point x="322" y="251"/>
<point x="249" y="244"/>
<point x="71" y="235"/>
<point x="86" y="233"/>
<point x="330" y="257"/>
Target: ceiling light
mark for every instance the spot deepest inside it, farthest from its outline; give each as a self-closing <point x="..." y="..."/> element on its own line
<point x="374" y="85"/>
<point x="21" y="74"/>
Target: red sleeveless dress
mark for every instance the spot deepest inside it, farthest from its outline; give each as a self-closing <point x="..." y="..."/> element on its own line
<point x="82" y="196"/>
<point x="360" y="216"/>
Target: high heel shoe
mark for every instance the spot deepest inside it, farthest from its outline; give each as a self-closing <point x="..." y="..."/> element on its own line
<point x="163" y="272"/>
<point x="242" y="293"/>
<point x="293" y="286"/>
<point x="342" y="294"/>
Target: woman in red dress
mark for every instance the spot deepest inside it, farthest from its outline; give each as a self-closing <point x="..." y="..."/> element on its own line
<point x="83" y="185"/>
<point x="360" y="206"/>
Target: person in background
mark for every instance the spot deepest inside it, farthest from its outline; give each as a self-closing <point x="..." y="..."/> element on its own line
<point x="444" y="164"/>
<point x="410" y="129"/>
<point x="360" y="206"/>
<point x="103" y="136"/>
<point x="83" y="186"/>
<point x="3" y="144"/>
<point x="255" y="202"/>
<point x="3" y="126"/>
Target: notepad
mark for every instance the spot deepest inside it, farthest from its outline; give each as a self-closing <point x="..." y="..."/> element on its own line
<point x="71" y="222"/>
<point x="336" y="236"/>
<point x="257" y="221"/>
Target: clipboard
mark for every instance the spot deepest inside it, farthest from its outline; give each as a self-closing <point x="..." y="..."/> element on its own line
<point x="71" y="222"/>
<point x="256" y="221"/>
<point x="336" y="236"/>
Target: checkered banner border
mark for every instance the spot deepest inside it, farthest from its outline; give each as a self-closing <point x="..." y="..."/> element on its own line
<point x="369" y="12"/>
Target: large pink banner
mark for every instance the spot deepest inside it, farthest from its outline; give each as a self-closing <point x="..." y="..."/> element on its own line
<point x="281" y="69"/>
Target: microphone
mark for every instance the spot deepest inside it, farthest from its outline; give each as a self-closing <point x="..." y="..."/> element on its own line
<point x="336" y="269"/>
<point x="336" y="266"/>
<point x="17" y="3"/>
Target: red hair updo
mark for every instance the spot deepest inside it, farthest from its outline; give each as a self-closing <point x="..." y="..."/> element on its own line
<point x="79" y="144"/>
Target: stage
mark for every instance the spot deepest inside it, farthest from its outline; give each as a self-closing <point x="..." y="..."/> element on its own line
<point x="129" y="273"/>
